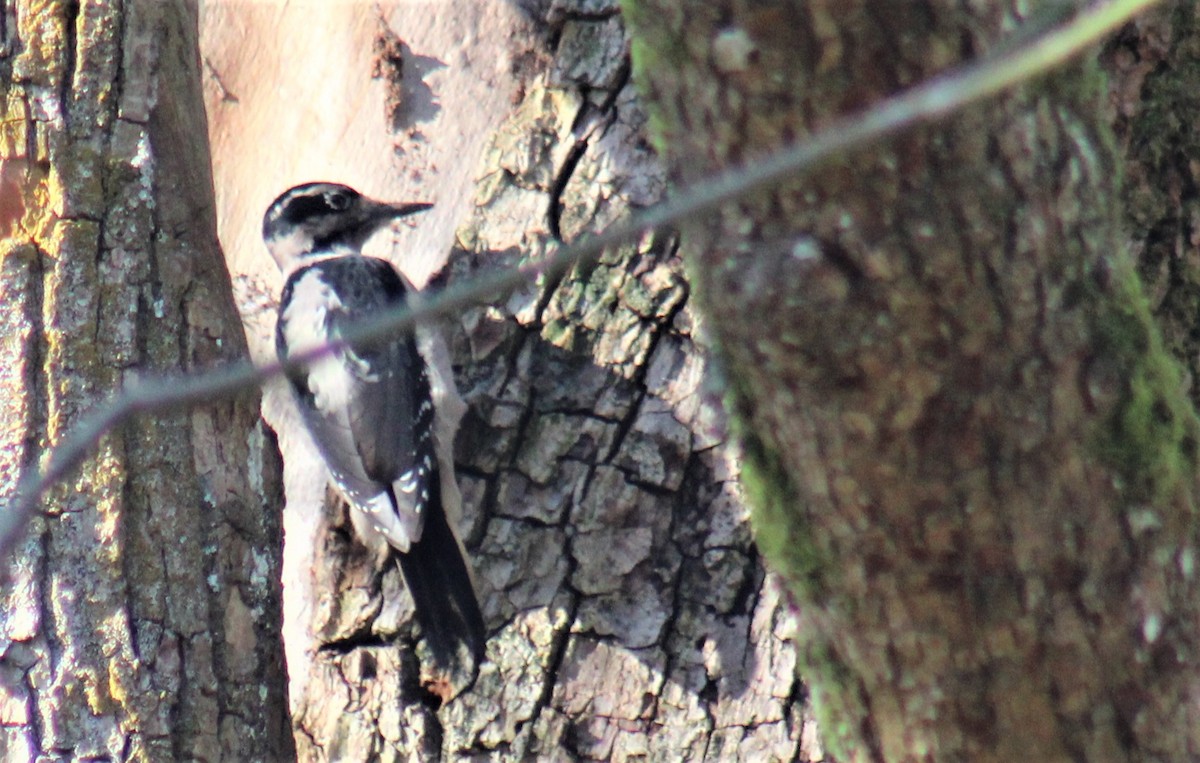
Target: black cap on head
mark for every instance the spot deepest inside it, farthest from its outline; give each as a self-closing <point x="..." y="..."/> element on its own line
<point x="325" y="217"/>
<point x="306" y="202"/>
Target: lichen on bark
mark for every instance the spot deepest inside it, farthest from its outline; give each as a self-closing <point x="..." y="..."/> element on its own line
<point x="139" y="624"/>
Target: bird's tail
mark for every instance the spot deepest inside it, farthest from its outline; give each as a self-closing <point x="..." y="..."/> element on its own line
<point x="439" y="581"/>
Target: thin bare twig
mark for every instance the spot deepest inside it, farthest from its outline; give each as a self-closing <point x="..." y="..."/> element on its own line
<point x="927" y="102"/>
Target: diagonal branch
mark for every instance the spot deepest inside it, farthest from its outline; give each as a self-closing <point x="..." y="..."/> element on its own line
<point x="924" y="103"/>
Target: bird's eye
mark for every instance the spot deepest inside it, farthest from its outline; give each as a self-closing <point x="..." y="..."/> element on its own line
<point x="337" y="201"/>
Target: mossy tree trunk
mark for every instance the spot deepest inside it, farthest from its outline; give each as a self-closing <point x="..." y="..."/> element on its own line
<point x="140" y="616"/>
<point x="973" y="459"/>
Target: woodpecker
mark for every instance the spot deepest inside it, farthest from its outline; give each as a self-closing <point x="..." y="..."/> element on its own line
<point x="373" y="410"/>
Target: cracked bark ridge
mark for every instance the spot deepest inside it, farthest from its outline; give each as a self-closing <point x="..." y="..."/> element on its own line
<point x="140" y="617"/>
<point x="630" y="611"/>
<point x="974" y="463"/>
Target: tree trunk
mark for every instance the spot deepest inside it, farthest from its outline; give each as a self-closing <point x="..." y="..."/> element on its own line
<point x="628" y="610"/>
<point x="1152" y="94"/>
<point x="971" y="455"/>
<point x="139" y="619"/>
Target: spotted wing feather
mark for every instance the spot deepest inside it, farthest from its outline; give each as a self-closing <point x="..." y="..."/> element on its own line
<point x="368" y="406"/>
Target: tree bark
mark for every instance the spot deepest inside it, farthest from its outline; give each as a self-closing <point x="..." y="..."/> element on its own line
<point x="628" y="609"/>
<point x="1150" y="73"/>
<point x="971" y="456"/>
<point x="140" y="615"/>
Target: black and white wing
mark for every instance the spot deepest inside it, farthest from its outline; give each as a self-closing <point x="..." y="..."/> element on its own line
<point x="371" y="414"/>
<point x="368" y="406"/>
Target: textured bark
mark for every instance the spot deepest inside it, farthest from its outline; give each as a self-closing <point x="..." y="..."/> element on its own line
<point x="1152" y="67"/>
<point x="634" y="619"/>
<point x="971" y="456"/>
<point x="140" y="616"/>
<point x="629" y="613"/>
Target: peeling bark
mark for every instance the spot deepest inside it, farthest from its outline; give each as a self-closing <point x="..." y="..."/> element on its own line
<point x="140" y="614"/>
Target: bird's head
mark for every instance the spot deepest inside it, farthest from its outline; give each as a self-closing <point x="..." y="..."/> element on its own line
<point x="325" y="218"/>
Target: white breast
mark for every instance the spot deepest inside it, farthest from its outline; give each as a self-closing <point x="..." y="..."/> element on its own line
<point x="329" y="379"/>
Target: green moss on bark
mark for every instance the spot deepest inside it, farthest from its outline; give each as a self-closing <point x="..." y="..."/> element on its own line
<point x="1150" y="436"/>
<point x="781" y="531"/>
<point x="658" y="52"/>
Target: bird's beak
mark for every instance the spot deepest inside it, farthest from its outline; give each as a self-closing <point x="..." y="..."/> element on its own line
<point x="376" y="215"/>
<point x="380" y="212"/>
<point x="404" y="210"/>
